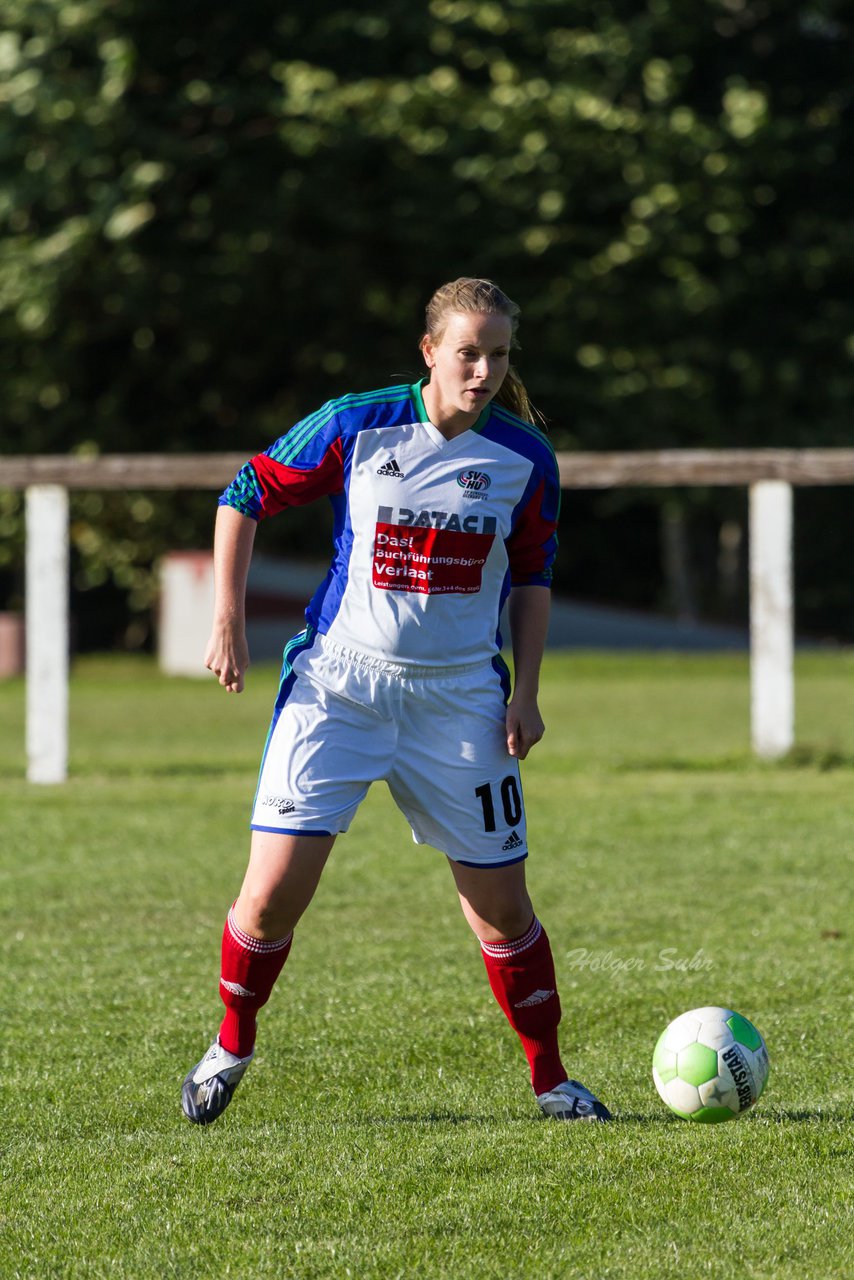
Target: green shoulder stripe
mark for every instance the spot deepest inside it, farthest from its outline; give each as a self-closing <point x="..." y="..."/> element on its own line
<point x="514" y="420"/>
<point x="300" y="435"/>
<point x="388" y="395"/>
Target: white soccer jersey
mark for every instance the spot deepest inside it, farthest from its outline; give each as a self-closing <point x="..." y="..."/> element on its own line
<point x="430" y="534"/>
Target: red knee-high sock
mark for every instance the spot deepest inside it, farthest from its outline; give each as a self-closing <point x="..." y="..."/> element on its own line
<point x="250" y="968"/>
<point x="522" y="976"/>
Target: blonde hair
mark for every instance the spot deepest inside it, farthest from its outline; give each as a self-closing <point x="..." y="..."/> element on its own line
<point x="469" y="294"/>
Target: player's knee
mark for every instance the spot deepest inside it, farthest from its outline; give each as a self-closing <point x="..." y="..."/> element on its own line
<point x="506" y="921"/>
<point x="262" y="915"/>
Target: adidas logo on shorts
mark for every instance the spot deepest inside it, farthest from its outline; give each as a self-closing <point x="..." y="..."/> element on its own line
<point x="391" y="469"/>
<point x="512" y="842"/>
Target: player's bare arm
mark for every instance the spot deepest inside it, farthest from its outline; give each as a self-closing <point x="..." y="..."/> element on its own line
<point x="528" y="612"/>
<point x="227" y="654"/>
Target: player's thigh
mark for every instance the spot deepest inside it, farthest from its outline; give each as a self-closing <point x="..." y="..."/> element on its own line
<point x="453" y="777"/>
<point x="281" y="879"/>
<point x="322" y="753"/>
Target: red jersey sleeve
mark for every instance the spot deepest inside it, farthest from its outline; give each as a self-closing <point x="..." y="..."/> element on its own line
<point x="532" y="545"/>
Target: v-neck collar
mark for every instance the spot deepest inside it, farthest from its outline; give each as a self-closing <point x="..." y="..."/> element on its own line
<point x="435" y="434"/>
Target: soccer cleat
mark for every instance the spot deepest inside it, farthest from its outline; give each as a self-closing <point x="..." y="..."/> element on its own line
<point x="571" y="1101"/>
<point x="209" y="1085"/>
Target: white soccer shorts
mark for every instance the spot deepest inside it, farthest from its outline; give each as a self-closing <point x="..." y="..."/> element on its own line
<point x="344" y="720"/>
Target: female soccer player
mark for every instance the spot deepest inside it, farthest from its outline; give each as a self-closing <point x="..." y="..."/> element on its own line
<point x="445" y="498"/>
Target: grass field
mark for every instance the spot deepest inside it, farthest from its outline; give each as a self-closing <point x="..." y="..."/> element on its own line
<point x="386" y="1128"/>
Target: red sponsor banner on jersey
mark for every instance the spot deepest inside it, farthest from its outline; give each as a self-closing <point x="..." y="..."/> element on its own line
<point x="432" y="561"/>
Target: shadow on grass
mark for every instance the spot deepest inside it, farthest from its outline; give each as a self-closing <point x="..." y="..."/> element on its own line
<point x="650" y="1122"/>
<point x="687" y="764"/>
<point x="193" y="769"/>
<point x="489" y="1121"/>
<point x="824" y="758"/>
<point x="197" y="770"/>
<point x="430" y="1118"/>
<point x="821" y="756"/>
<point x="762" y="1117"/>
<point x="87" y="771"/>
<point x="838" y="1115"/>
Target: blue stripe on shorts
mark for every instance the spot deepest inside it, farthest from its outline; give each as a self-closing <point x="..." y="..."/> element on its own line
<point x="288" y="831"/>
<point x="490" y="866"/>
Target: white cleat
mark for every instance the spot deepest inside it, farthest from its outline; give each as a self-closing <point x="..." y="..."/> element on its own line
<point x="571" y="1101"/>
<point x="209" y="1085"/>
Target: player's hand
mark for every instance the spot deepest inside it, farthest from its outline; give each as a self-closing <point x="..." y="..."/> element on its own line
<point x="524" y="726"/>
<point x="227" y="656"/>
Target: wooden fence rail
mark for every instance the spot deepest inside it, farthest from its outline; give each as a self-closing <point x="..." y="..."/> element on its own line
<point x="655" y="468"/>
<point x="769" y="474"/>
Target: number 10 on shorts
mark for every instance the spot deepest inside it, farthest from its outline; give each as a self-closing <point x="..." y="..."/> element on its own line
<point x="510" y="799"/>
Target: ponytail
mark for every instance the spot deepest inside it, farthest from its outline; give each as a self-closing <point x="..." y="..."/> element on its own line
<point x="513" y="395"/>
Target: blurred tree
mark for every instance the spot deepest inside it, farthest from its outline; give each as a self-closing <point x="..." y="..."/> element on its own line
<point x="217" y="217"/>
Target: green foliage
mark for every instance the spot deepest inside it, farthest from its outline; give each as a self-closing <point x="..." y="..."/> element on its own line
<point x="219" y="216"/>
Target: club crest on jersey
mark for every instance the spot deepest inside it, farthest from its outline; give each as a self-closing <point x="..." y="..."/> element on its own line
<point x="474" y="484"/>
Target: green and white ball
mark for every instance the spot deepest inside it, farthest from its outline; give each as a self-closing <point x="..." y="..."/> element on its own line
<point x="710" y="1065"/>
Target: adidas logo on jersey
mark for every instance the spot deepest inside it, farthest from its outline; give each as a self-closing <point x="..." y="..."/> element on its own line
<point x="391" y="468"/>
<point x="512" y="842"/>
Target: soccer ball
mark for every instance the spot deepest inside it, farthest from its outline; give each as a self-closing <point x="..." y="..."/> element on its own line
<point x="710" y="1065"/>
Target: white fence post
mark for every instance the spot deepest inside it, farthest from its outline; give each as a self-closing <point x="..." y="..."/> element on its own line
<point x="47" y="633"/>
<point x="186" y="610"/>
<point x="772" y="689"/>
